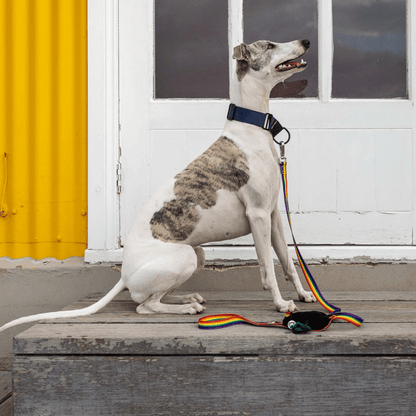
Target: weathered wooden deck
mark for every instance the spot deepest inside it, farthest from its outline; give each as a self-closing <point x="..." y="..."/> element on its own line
<point x="5" y="394"/>
<point x="119" y="363"/>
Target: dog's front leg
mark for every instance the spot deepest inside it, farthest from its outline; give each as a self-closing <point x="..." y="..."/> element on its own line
<point x="260" y="223"/>
<point x="281" y="249"/>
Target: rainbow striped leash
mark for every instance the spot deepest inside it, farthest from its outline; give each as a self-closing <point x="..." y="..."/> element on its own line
<point x="230" y="319"/>
<point x="298" y="322"/>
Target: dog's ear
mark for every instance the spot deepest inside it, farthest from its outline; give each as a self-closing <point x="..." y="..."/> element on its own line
<point x="241" y="53"/>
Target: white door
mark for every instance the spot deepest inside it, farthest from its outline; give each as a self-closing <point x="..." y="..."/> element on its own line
<point x="351" y="114"/>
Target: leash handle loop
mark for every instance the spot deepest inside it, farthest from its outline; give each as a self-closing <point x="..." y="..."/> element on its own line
<point x="230" y="319"/>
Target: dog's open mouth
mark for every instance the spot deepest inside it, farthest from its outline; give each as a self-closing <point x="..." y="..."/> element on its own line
<point x="287" y="66"/>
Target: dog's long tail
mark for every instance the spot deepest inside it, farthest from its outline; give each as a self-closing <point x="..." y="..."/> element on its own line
<point x="118" y="288"/>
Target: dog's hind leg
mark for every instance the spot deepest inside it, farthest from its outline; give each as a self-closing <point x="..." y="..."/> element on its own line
<point x="194" y="297"/>
<point x="282" y="252"/>
<point x="159" y="276"/>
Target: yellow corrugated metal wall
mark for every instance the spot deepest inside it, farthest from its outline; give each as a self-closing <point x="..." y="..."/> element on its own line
<point x="43" y="125"/>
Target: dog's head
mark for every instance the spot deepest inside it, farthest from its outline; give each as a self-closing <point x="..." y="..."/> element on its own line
<point x="272" y="62"/>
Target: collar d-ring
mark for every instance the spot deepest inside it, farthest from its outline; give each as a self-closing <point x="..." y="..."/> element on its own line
<point x="282" y="143"/>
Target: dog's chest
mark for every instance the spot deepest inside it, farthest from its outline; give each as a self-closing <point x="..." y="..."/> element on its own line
<point x="224" y="166"/>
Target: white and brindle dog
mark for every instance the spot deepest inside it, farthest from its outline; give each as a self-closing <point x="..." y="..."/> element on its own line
<point x="227" y="192"/>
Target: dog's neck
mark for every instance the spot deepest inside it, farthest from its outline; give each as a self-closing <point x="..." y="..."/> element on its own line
<point x="249" y="93"/>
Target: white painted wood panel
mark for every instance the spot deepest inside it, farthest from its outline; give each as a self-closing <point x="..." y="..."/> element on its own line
<point x="318" y="170"/>
<point x="333" y="179"/>
<point x="356" y="170"/>
<point x="393" y="170"/>
<point x="292" y="113"/>
<point x="322" y="228"/>
<point x="164" y="144"/>
<point x="312" y="254"/>
<point x="199" y="141"/>
<point x="293" y="172"/>
<point x="184" y="145"/>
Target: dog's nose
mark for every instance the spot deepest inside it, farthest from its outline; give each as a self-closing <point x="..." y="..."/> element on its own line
<point x="306" y="43"/>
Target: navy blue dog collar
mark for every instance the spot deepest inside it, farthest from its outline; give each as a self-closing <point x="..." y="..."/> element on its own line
<point x="264" y="120"/>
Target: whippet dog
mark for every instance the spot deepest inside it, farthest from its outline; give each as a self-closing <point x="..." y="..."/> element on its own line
<point x="229" y="191"/>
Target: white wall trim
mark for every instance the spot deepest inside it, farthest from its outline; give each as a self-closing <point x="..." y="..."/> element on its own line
<point x="312" y="254"/>
<point x="103" y="125"/>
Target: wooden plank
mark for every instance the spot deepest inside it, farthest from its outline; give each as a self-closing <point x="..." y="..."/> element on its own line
<point x="6" y="404"/>
<point x="256" y="306"/>
<point x="204" y="385"/>
<point x="6" y="408"/>
<point x="125" y="312"/>
<point x="265" y="295"/>
<point x="5" y="385"/>
<point x="184" y="339"/>
<point x="262" y="306"/>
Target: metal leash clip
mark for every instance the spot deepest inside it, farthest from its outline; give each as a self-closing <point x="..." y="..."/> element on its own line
<point x="282" y="151"/>
<point x="282" y="144"/>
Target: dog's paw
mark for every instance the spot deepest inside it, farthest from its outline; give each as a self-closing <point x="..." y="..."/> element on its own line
<point x="287" y="306"/>
<point x="196" y="297"/>
<point x="193" y="308"/>
<point x="307" y="297"/>
<point x="181" y="299"/>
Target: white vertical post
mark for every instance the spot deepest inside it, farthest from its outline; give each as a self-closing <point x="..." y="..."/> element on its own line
<point x="103" y="125"/>
<point x="325" y="49"/>
<point x="411" y="86"/>
<point x="411" y="48"/>
<point x="136" y="57"/>
<point x="235" y="31"/>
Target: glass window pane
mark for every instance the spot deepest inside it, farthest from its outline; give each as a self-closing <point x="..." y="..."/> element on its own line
<point x="191" y="49"/>
<point x="283" y="21"/>
<point x="369" y="49"/>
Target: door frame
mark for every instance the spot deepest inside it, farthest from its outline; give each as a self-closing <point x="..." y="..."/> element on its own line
<point x="109" y="116"/>
<point x="103" y="132"/>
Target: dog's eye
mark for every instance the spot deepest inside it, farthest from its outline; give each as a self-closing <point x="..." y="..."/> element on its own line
<point x="270" y="46"/>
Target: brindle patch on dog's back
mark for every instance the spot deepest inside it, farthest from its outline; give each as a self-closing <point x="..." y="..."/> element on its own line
<point x="222" y="166"/>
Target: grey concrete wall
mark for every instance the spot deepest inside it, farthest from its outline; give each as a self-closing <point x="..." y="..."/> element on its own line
<point x="28" y="287"/>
